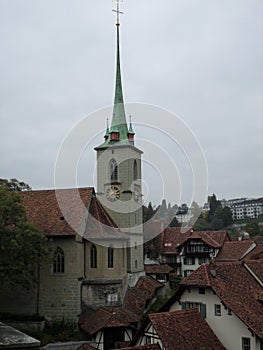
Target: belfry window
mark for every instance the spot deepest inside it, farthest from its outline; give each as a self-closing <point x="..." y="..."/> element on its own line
<point x="59" y="261"/>
<point x="135" y="170"/>
<point x="113" y="170"/>
<point x="93" y="257"/>
<point x="110" y="257"/>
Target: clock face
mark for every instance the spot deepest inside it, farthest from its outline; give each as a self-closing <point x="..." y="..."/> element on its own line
<point x="113" y="193"/>
<point x="136" y="194"/>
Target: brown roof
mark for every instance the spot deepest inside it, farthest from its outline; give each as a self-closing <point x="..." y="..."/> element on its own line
<point x="86" y="347"/>
<point x="256" y="253"/>
<point x="65" y="212"/>
<point x="135" y="301"/>
<point x="256" y="266"/>
<point x="106" y="317"/>
<point x="236" y="288"/>
<point x="157" y="268"/>
<point x="171" y="238"/>
<point x="234" y="250"/>
<point x="149" y="284"/>
<point x="214" y="239"/>
<point x="44" y="212"/>
<point x="184" y="330"/>
<point x="144" y="347"/>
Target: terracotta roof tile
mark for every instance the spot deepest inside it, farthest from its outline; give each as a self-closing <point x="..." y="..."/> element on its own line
<point x="257" y="268"/>
<point x="144" y="347"/>
<point x="156" y="268"/>
<point x="43" y="211"/>
<point x="171" y="238"/>
<point x="256" y="253"/>
<point x="234" y="250"/>
<point x="86" y="347"/>
<point x="214" y="239"/>
<point x="106" y="317"/>
<point x="184" y="330"/>
<point x="149" y="284"/>
<point x="135" y="301"/>
<point x="236" y="288"/>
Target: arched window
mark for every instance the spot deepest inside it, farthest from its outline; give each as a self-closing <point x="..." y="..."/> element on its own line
<point x="59" y="261"/>
<point x="135" y="170"/>
<point x="113" y="170"/>
<point x="93" y="256"/>
<point x="110" y="257"/>
<point x="136" y="264"/>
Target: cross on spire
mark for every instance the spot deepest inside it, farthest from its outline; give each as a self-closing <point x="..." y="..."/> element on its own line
<point x="118" y="12"/>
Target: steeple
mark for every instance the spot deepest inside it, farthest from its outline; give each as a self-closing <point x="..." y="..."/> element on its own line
<point x="118" y="124"/>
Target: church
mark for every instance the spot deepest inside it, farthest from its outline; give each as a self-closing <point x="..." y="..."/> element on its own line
<point x="96" y="239"/>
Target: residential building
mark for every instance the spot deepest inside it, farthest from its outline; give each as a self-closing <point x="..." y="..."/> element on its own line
<point x="229" y="297"/>
<point x="182" y="330"/>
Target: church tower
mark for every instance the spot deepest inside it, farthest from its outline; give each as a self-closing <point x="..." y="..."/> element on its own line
<point x="119" y="176"/>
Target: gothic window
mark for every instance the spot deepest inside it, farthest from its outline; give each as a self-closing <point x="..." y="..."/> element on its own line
<point x="110" y="257"/>
<point x="59" y="261"/>
<point x="93" y="256"/>
<point x="135" y="170"/>
<point x="136" y="264"/>
<point x="113" y="168"/>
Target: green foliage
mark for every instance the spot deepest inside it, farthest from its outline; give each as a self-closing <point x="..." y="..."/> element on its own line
<point x="217" y="217"/>
<point x="175" y="222"/>
<point x="22" y="246"/>
<point x="59" y="330"/>
<point x="252" y="228"/>
<point x="14" y="185"/>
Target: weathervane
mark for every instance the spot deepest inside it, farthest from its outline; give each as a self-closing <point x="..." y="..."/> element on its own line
<point x="118" y="12"/>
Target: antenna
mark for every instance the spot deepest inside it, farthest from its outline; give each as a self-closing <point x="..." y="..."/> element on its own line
<point x="118" y="12"/>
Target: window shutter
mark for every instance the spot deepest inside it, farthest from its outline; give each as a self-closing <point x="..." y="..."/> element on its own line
<point x="183" y="305"/>
<point x="203" y="310"/>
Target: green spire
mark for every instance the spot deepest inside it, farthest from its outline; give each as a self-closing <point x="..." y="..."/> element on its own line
<point x="119" y="119"/>
<point x="131" y="128"/>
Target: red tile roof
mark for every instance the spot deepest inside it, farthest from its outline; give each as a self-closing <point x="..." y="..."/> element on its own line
<point x="256" y="266"/>
<point x="256" y="253"/>
<point x="234" y="250"/>
<point x="149" y="284"/>
<point x="236" y="288"/>
<point x="106" y="317"/>
<point x="171" y="238"/>
<point x="86" y="347"/>
<point x="144" y="347"/>
<point x="135" y="301"/>
<point x="65" y="212"/>
<point x="214" y="239"/>
<point x="156" y="268"/>
<point x="184" y="330"/>
<point x="43" y="211"/>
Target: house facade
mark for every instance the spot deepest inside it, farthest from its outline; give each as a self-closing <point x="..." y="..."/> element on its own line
<point x="228" y="296"/>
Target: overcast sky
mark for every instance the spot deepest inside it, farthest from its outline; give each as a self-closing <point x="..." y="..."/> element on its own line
<point x="199" y="59"/>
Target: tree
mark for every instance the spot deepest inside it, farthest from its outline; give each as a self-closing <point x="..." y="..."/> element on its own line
<point x="252" y="228"/>
<point x="22" y="246"/>
<point x="174" y="222"/>
<point x="14" y="185"/>
<point x="214" y="204"/>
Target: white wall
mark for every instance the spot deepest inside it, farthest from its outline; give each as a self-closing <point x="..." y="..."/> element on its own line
<point x="228" y="328"/>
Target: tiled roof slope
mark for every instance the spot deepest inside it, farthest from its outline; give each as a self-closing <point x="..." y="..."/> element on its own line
<point x="236" y="288"/>
<point x="148" y="284"/>
<point x="171" y="238"/>
<point x="184" y="330"/>
<point x="100" y="225"/>
<point x="156" y="268"/>
<point x="256" y="266"/>
<point x="214" y="239"/>
<point x="256" y="253"/>
<point x="106" y="317"/>
<point x="86" y="347"/>
<point x="144" y="347"/>
<point x="137" y="297"/>
<point x="234" y="250"/>
<point x="43" y="211"/>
